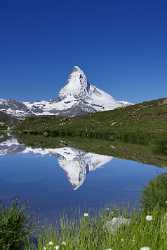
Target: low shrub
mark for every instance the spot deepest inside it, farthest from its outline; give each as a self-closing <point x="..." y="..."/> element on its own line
<point x="15" y="228"/>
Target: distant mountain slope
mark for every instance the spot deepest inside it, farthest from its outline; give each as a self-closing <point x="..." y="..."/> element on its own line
<point x="14" y="108"/>
<point x="77" y="97"/>
<point x="7" y="119"/>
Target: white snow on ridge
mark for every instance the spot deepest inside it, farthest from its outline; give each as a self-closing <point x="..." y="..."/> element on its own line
<point x="102" y="101"/>
<point x="48" y="106"/>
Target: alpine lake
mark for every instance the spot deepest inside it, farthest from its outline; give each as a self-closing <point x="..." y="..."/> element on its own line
<point x="53" y="178"/>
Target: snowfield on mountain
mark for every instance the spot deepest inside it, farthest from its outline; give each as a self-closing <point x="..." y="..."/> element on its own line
<point x="77" y="97"/>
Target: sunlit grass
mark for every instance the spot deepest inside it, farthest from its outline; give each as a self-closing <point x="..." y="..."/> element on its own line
<point x="91" y="233"/>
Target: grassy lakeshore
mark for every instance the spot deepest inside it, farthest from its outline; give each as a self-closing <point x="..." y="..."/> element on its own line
<point x="144" y="229"/>
<point x="91" y="234"/>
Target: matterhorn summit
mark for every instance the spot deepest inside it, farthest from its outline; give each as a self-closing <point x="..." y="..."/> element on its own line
<point x="77" y="85"/>
<point x="77" y="97"/>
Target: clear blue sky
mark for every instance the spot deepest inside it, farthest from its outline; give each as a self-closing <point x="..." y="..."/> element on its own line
<point x="121" y="45"/>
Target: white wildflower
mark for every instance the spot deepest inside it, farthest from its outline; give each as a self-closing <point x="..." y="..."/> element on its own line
<point x="145" y="248"/>
<point x="122" y="240"/>
<point x="149" y="217"/>
<point x="44" y="248"/>
<point x="57" y="247"/>
<point x="63" y="243"/>
<point x="165" y="202"/>
<point x="50" y="243"/>
<point x="109" y="249"/>
<point x="86" y="214"/>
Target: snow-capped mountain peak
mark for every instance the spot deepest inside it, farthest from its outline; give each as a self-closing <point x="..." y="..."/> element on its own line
<point x="77" y="97"/>
<point x="77" y="85"/>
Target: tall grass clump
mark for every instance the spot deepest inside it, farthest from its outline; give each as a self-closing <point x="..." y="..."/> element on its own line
<point x="155" y="194"/>
<point x="15" y="228"/>
<point x="160" y="146"/>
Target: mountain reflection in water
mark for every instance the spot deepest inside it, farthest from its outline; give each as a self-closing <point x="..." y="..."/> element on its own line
<point x="76" y="163"/>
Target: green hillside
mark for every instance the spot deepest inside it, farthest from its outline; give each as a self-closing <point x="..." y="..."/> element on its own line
<point x="141" y="123"/>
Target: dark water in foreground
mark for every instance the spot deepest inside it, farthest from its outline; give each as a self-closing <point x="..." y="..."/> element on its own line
<point x="56" y="181"/>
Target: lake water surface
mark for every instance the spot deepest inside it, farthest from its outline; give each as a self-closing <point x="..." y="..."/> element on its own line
<point x="64" y="180"/>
